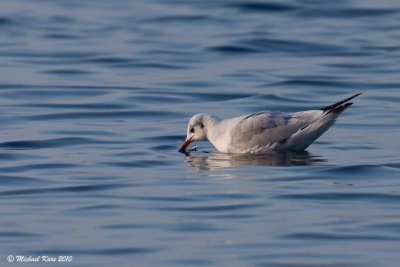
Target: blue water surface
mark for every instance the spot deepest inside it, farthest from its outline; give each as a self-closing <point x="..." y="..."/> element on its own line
<point x="95" y="97"/>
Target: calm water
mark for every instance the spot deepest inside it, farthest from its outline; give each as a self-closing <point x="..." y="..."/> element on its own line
<point x="94" y="101"/>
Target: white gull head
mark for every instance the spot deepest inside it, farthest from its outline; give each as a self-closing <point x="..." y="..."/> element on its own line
<point x="197" y="129"/>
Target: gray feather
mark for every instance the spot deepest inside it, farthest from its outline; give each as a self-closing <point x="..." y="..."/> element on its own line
<point x="268" y="130"/>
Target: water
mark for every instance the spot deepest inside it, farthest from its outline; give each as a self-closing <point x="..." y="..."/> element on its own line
<point x="94" y="101"/>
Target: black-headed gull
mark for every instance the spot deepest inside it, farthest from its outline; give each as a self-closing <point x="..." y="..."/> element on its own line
<point x="264" y="131"/>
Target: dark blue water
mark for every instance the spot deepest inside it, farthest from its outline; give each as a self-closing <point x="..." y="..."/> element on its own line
<point x="94" y="101"/>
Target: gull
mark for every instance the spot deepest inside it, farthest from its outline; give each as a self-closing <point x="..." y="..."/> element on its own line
<point x="264" y="131"/>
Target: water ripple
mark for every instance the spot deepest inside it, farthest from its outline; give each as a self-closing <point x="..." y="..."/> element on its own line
<point x="49" y="143"/>
<point x="344" y="197"/>
<point x="102" y="115"/>
<point x="89" y="106"/>
<point x="120" y="251"/>
<point x="19" y="180"/>
<point x="140" y="163"/>
<point x="19" y="234"/>
<point x="180" y="19"/>
<point x="269" y="7"/>
<point x="218" y="208"/>
<point x="271" y="45"/>
<point x="347" y="13"/>
<point x="352" y="237"/>
<point x="5" y="21"/>
<point x="234" y="49"/>
<point x="41" y="166"/>
<point x="57" y="190"/>
<point x="63" y="72"/>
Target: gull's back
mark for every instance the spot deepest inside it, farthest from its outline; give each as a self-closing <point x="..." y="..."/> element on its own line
<point x="276" y="131"/>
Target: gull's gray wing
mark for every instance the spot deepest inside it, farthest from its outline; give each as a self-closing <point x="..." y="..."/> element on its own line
<point x="266" y="130"/>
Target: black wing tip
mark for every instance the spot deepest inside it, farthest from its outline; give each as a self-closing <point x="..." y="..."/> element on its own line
<point x="340" y="103"/>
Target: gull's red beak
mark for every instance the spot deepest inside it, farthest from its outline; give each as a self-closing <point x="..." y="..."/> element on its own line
<point x="185" y="144"/>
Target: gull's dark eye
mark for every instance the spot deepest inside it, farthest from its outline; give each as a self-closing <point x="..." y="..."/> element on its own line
<point x="192" y="130"/>
<point x="201" y="125"/>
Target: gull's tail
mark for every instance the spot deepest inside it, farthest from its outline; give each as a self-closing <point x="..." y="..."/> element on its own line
<point x="341" y="105"/>
<point x="308" y="134"/>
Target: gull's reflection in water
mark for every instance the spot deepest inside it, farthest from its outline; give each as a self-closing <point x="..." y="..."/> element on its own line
<point x="217" y="160"/>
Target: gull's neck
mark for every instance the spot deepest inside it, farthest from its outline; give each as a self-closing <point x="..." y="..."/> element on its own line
<point x="218" y="132"/>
